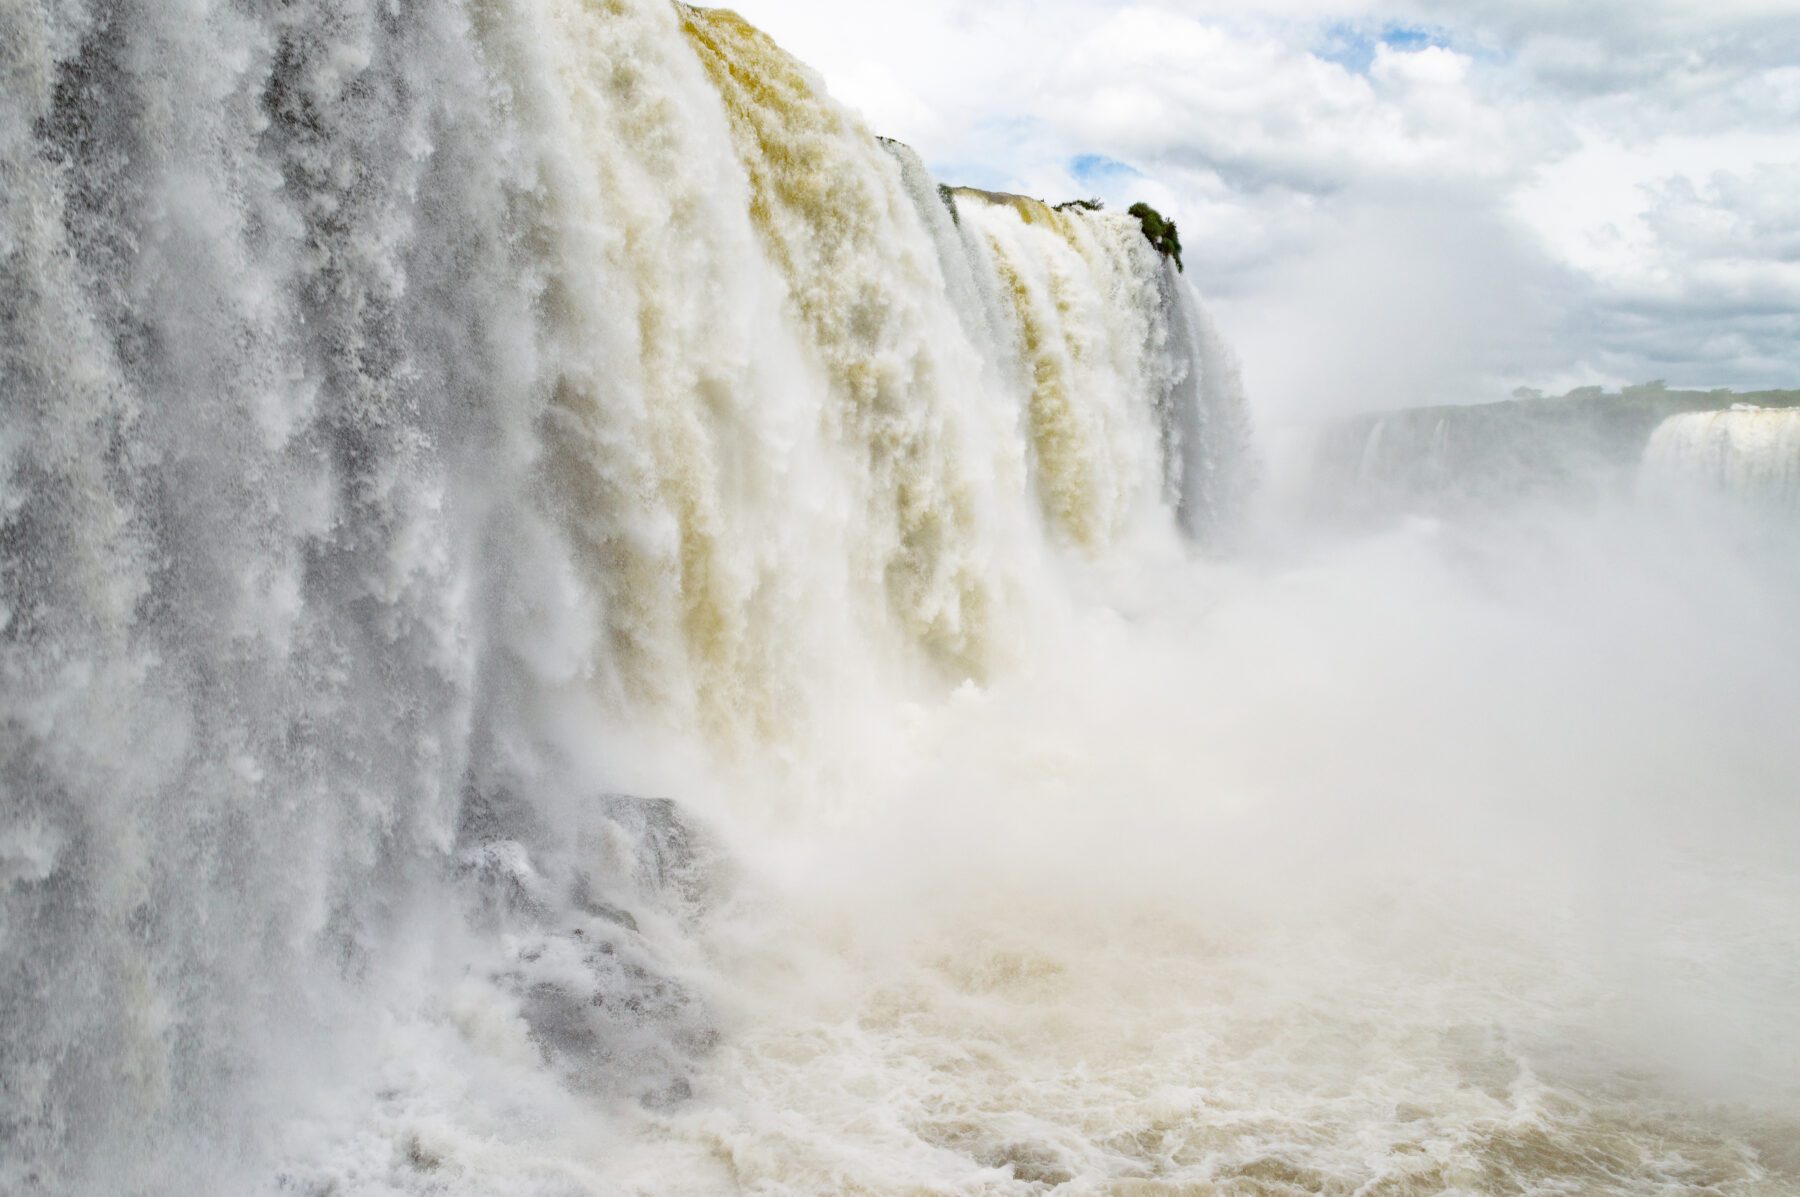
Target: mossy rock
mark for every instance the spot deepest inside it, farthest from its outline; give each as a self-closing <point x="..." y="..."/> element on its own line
<point x="947" y="194"/>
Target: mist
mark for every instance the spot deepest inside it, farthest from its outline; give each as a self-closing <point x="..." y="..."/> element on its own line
<point x="1453" y="853"/>
<point x="1394" y="302"/>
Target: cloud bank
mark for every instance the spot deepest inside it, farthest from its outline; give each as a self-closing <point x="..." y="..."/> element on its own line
<point x="1390" y="203"/>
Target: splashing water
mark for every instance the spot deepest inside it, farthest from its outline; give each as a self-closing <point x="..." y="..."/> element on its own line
<point x="570" y="624"/>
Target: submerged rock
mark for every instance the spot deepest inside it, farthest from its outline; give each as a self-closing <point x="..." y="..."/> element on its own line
<point x="591" y="924"/>
<point x="664" y="845"/>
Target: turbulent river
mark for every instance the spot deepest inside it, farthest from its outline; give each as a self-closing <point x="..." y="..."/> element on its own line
<point x="572" y="623"/>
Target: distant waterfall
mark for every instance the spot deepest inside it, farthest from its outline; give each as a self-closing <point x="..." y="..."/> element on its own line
<point x="406" y="406"/>
<point x="1747" y="452"/>
<point x="1585" y="448"/>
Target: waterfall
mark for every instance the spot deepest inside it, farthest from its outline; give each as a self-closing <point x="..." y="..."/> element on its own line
<point x="1746" y="452"/>
<point x="411" y="413"/>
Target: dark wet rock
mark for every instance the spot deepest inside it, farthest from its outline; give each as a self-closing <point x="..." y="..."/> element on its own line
<point x="675" y="1092"/>
<point x="504" y="880"/>
<point x="669" y="859"/>
<point x="592" y="915"/>
<point x="610" y="1016"/>
<point x="582" y="896"/>
<point x="496" y="812"/>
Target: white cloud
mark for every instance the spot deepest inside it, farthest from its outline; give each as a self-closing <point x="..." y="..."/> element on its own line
<point x="1437" y="200"/>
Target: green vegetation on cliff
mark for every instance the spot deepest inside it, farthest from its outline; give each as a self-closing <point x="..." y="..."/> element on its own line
<point x="1160" y="232"/>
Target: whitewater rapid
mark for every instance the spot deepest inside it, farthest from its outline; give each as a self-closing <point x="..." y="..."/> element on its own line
<point x="572" y="623"/>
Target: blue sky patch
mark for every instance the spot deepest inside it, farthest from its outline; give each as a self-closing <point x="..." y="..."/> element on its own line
<point x="1098" y="168"/>
<point x="1354" y="46"/>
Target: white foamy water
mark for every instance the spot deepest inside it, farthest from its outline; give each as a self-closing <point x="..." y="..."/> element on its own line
<point x="1401" y="869"/>
<point x="1747" y="452"/>
<point x="1396" y="872"/>
<point x="571" y="624"/>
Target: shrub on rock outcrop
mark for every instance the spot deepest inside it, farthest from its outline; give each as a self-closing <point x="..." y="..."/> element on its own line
<point x="1160" y="232"/>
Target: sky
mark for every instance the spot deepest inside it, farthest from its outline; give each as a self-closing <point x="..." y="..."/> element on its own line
<point x="1388" y="203"/>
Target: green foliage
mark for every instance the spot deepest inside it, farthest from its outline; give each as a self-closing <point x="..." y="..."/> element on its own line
<point x="1160" y="233"/>
<point x="1085" y="205"/>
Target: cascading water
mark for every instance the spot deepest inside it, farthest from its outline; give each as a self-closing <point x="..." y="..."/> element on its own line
<point x="410" y="413"/>
<point x="572" y="623"/>
<point x="1751" y="453"/>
